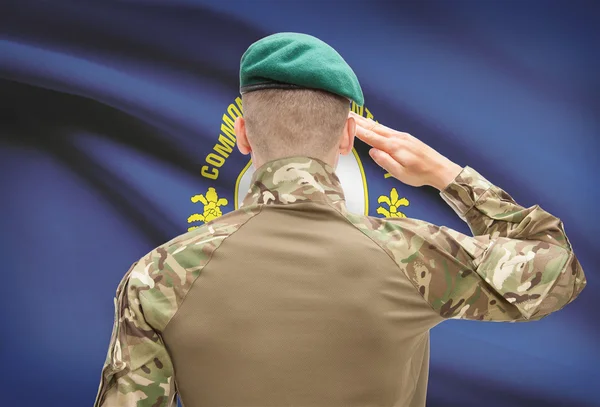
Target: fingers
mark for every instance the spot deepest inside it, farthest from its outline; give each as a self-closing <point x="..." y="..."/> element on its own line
<point x="385" y="161"/>
<point x="371" y="124"/>
<point x="373" y="139"/>
<point x="377" y="127"/>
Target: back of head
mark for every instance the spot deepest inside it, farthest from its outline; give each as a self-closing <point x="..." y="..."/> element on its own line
<point x="290" y="122"/>
<point x="296" y="91"/>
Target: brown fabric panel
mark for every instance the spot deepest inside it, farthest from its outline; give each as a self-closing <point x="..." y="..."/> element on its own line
<point x="299" y="308"/>
<point x="421" y="373"/>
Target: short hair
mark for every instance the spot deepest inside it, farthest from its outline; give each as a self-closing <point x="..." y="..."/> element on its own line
<point x="289" y="122"/>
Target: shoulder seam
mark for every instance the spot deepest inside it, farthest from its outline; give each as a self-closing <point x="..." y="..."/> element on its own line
<point x="390" y="256"/>
<point x="206" y="264"/>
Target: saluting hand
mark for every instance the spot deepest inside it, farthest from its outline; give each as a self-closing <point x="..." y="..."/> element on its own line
<point x="405" y="157"/>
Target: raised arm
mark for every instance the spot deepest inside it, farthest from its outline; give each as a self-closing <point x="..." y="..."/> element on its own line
<point x="518" y="266"/>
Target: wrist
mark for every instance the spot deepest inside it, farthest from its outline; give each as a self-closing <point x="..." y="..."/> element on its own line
<point x="445" y="174"/>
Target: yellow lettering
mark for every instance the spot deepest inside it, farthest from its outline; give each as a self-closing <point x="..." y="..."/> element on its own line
<point x="215" y="160"/>
<point x="205" y="173"/>
<point x="224" y="146"/>
<point x="357" y="109"/>
<point x="233" y="111"/>
<point x="238" y="100"/>
<point x="369" y="114"/>
<point x="228" y="129"/>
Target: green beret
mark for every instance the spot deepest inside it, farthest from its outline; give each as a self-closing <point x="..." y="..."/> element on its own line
<point x="293" y="61"/>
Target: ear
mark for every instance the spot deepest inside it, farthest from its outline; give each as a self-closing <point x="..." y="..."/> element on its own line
<point x="347" y="140"/>
<point x="241" y="136"/>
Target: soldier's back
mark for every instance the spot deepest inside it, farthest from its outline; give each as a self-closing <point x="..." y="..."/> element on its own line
<point x="293" y="300"/>
<point x="297" y="306"/>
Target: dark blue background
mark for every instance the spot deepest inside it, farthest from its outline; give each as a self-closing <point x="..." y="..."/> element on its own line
<point x="108" y="109"/>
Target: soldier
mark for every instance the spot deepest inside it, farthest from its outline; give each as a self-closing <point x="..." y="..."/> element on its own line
<point x="291" y="300"/>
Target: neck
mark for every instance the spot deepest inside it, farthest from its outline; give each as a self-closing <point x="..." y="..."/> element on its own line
<point x="330" y="159"/>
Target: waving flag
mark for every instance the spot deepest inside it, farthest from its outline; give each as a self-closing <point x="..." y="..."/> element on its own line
<point x="116" y="136"/>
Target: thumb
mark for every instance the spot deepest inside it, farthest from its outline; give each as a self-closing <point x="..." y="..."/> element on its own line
<point x="385" y="161"/>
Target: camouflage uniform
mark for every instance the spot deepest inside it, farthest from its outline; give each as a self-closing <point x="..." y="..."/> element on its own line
<point x="292" y="300"/>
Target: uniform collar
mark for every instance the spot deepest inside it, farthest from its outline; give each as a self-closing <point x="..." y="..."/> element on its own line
<point x="295" y="179"/>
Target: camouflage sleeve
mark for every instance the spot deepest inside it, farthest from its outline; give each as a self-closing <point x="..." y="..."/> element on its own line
<point x="518" y="266"/>
<point x="138" y="370"/>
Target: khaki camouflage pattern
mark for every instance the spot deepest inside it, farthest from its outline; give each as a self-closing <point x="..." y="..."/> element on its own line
<point x="295" y="180"/>
<point x="530" y="259"/>
<point x="138" y="370"/>
<point x="518" y="266"/>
